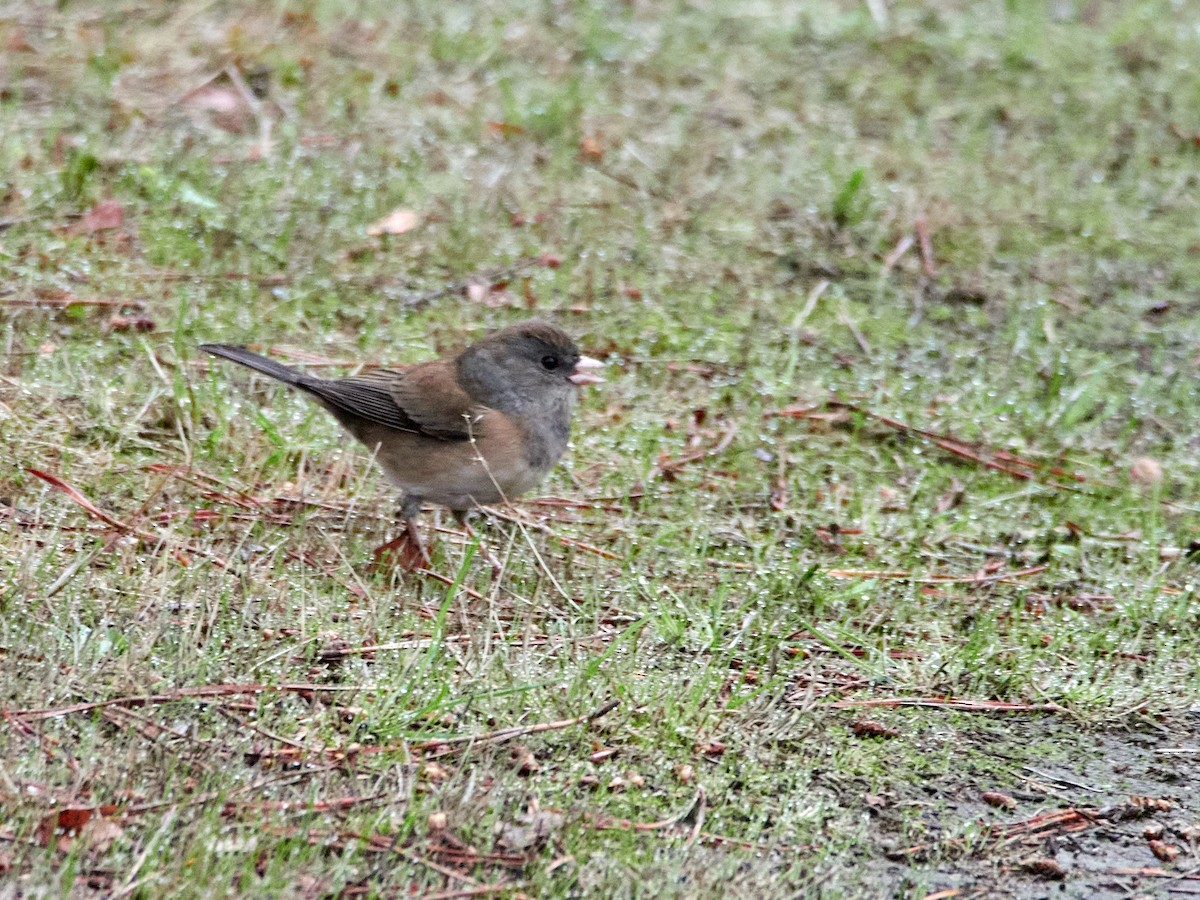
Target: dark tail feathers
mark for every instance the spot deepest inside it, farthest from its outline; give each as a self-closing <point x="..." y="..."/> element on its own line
<point x="259" y="363"/>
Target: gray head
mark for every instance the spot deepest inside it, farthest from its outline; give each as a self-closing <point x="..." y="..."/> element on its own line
<point x="532" y="364"/>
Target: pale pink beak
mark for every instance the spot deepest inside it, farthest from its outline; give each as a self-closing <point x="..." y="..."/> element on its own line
<point x="581" y="376"/>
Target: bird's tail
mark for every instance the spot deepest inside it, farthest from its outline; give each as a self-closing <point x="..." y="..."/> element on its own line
<point x="258" y="363"/>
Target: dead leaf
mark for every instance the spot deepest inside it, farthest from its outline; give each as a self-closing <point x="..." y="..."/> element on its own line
<point x="99" y="834"/>
<point x="223" y="105"/>
<point x="1146" y="470"/>
<point x="1164" y="851"/>
<point x="17" y="42"/>
<point x="1144" y="805"/>
<point x="505" y="129"/>
<point x="590" y="150"/>
<point x="951" y="499"/>
<point x="1046" y="868"/>
<point x="872" y="729"/>
<point x="63" y="823"/>
<point x="524" y="760"/>
<point x="531" y="831"/>
<point x="435" y="771"/>
<point x="602" y="753"/>
<point x="398" y="221"/>
<point x="778" y="498"/>
<point x="493" y="296"/>
<point x="130" y="323"/>
<point x="104" y="215"/>
<point x="998" y="800"/>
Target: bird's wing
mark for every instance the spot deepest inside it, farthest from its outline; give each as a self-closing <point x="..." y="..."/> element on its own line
<point x="424" y="399"/>
<point x="430" y="395"/>
<point x="364" y="396"/>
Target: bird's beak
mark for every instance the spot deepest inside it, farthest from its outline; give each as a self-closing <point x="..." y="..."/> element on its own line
<point x="582" y="376"/>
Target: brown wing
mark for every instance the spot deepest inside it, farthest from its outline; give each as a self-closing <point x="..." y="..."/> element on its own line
<point x="431" y="397"/>
<point x="396" y="399"/>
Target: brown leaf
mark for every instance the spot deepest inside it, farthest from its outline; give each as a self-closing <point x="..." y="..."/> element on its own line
<point x="64" y="822"/>
<point x="505" y="129"/>
<point x="531" y="831"/>
<point x="1146" y="470"/>
<point x="1046" y="868"/>
<point x="435" y="771"/>
<point x="524" y="760"/>
<point x="872" y="729"/>
<point x="398" y="221"/>
<point x="590" y="150"/>
<point x="17" y="42"/>
<point x="1150" y="804"/>
<point x="130" y="323"/>
<point x="99" y="834"/>
<point x="1164" y="851"/>
<point x="998" y="800"/>
<point x="602" y="753"/>
<point x="223" y="105"/>
<point x="778" y="499"/>
<point x="489" y="295"/>
<point x="951" y="499"/>
<point x="104" y="215"/>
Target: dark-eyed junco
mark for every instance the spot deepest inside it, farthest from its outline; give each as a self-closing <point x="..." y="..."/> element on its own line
<point x="481" y="427"/>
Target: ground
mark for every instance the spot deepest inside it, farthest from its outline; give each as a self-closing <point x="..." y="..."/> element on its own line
<point x="870" y="571"/>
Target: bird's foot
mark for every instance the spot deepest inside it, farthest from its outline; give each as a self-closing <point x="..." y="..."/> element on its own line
<point x="406" y="551"/>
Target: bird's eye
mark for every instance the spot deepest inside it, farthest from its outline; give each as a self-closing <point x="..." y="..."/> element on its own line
<point x="550" y="362"/>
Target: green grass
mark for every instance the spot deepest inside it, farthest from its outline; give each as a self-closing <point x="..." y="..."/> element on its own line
<point x="725" y="253"/>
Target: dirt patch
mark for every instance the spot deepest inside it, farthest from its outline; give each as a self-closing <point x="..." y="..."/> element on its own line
<point x="1074" y="814"/>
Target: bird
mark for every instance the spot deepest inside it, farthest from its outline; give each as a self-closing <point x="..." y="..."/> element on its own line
<point x="478" y="428"/>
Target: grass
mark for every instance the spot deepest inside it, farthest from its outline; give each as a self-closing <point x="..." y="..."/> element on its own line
<point x="713" y="199"/>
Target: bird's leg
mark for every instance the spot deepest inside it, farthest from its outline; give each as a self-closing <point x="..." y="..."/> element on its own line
<point x="406" y="550"/>
<point x="460" y="516"/>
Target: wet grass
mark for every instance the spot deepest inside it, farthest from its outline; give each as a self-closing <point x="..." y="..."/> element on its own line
<point x="712" y="201"/>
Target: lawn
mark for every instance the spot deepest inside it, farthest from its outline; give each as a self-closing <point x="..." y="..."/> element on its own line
<point x="871" y="570"/>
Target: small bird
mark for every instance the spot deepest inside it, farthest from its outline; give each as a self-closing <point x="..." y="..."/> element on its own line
<point x="484" y="426"/>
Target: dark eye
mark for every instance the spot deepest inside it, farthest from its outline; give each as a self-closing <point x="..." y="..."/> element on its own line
<point x="550" y="362"/>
